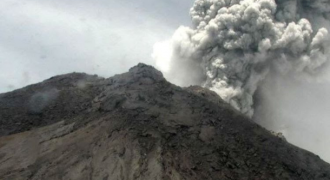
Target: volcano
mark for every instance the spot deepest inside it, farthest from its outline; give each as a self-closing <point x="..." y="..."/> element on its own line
<point x="137" y="125"/>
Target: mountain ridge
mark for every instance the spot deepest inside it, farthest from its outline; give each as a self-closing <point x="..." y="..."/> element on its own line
<point x="137" y="125"/>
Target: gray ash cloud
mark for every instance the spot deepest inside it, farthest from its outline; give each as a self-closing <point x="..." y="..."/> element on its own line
<point x="233" y="45"/>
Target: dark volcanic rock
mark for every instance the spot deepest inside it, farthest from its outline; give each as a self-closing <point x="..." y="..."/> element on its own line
<point x="56" y="99"/>
<point x="138" y="126"/>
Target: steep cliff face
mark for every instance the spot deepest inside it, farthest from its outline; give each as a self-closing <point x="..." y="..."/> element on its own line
<point x="138" y="126"/>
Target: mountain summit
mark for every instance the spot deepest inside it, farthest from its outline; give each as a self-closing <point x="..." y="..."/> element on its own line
<point x="137" y="125"/>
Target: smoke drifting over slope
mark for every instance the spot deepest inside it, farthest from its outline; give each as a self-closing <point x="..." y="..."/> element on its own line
<point x="235" y="44"/>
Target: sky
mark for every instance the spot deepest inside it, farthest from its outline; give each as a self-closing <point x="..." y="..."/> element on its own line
<point x="43" y="38"/>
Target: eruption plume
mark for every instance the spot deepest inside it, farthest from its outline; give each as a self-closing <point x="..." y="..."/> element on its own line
<point x="233" y="45"/>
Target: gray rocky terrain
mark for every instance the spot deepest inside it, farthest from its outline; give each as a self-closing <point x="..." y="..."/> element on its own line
<point x="138" y="126"/>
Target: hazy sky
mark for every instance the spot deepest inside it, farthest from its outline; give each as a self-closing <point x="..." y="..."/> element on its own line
<point x="43" y="38"/>
<point x="299" y="110"/>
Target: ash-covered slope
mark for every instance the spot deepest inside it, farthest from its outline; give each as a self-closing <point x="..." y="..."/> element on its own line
<point x="138" y="126"/>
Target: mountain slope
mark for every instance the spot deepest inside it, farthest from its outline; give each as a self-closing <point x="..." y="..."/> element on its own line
<point x="138" y="126"/>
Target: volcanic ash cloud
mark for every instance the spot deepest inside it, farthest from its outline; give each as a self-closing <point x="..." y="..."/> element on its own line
<point x="235" y="44"/>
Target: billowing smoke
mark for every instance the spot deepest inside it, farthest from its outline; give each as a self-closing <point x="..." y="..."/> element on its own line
<point x="233" y="45"/>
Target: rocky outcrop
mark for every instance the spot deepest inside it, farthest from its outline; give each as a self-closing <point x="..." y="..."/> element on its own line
<point x="138" y="126"/>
